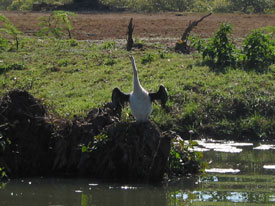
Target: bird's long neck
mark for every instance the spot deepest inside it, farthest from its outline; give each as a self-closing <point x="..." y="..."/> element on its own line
<point x="136" y="83"/>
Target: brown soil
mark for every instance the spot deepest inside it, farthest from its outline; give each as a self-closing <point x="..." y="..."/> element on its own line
<point x="101" y="26"/>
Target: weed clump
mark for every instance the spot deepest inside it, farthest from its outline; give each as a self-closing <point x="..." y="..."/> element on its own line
<point x="9" y="30"/>
<point x="147" y="58"/>
<point x="56" y="25"/>
<point x="182" y="161"/>
<point x="258" y="51"/>
<point x="219" y="52"/>
<point x="13" y="66"/>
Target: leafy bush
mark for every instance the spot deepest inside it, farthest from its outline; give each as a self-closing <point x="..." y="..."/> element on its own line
<point x="3" y="174"/>
<point x="3" y="44"/>
<point x="198" y="43"/>
<point x="22" y="5"/>
<point x="56" y="25"/>
<point x="221" y="6"/>
<point x="109" y="61"/>
<point x="258" y="51"/>
<point x="147" y="58"/>
<point x="248" y="6"/>
<point x="10" y="30"/>
<point x="5" y="3"/>
<point x="14" y="66"/>
<point x="219" y="51"/>
<point x="73" y="42"/>
<point x="108" y="45"/>
<point x="152" y="5"/>
<point x="182" y="160"/>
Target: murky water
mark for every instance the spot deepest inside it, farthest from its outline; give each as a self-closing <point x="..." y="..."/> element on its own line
<point x="238" y="174"/>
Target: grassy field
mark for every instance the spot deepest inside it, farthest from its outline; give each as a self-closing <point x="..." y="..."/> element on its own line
<point x="72" y="77"/>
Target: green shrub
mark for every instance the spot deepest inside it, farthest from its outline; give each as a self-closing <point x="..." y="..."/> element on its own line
<point x="14" y="66"/>
<point x="258" y="51"/>
<point x="4" y="4"/>
<point x="219" y="52"/>
<point x="56" y="25"/>
<point x="182" y="160"/>
<point x="109" y="61"/>
<point x="108" y="45"/>
<point x="63" y="62"/>
<point x="250" y="6"/>
<point x="3" y="174"/>
<point x="22" y="5"/>
<point x="220" y="5"/>
<point x="3" y="44"/>
<point x="147" y="58"/>
<point x="9" y="30"/>
<point x="73" y="42"/>
<point x="198" y="43"/>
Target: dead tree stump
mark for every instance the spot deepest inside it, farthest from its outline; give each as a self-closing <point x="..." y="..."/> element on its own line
<point x="130" y="41"/>
<point x="181" y="45"/>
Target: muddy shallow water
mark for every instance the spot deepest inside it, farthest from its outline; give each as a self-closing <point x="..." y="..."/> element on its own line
<point x="238" y="174"/>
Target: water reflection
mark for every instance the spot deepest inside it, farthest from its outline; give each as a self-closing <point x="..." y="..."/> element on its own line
<point x="253" y="184"/>
<point x="78" y="192"/>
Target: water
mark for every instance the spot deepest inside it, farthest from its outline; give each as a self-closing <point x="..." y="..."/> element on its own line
<point x="238" y="174"/>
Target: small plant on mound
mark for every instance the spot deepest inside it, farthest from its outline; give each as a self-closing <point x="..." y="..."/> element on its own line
<point x="184" y="161"/>
<point x="3" y="174"/>
<point x="258" y="51"/>
<point x="56" y="25"/>
<point x="219" y="51"/>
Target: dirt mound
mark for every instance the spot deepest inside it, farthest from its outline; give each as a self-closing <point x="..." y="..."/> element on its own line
<point x="101" y="146"/>
<point x="72" y="137"/>
<point x="27" y="143"/>
<point x="98" y="146"/>
<point x="131" y="152"/>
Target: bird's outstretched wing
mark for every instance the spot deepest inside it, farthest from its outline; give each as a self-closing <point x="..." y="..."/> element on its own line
<point x="161" y="95"/>
<point x="119" y="98"/>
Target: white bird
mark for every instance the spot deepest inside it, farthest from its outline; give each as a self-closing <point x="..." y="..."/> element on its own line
<point x="140" y="99"/>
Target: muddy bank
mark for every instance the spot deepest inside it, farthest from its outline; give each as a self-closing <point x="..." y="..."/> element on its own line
<point x="33" y="143"/>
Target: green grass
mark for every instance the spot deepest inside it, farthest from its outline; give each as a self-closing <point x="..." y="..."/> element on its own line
<point x="71" y="78"/>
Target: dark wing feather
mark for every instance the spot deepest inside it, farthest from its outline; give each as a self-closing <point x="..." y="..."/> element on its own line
<point x="119" y="98"/>
<point x="161" y="95"/>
